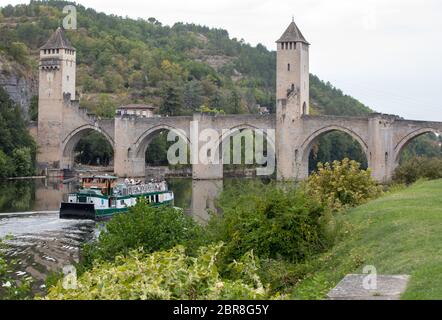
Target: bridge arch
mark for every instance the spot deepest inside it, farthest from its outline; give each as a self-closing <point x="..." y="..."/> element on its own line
<point x="302" y="155"/>
<point x="140" y="146"/>
<point x="72" y="139"/>
<point x="237" y="129"/>
<point x="309" y="142"/>
<point x="404" y="141"/>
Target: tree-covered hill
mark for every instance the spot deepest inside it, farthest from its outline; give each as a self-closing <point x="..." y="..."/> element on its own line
<point x="122" y="60"/>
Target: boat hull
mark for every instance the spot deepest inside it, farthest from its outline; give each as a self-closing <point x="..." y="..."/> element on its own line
<point x="85" y="211"/>
<point x="77" y="211"/>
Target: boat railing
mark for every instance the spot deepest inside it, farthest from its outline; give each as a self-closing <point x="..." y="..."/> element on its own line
<point x="143" y="188"/>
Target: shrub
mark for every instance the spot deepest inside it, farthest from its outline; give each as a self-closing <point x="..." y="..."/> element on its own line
<point x="24" y="165"/>
<point x="342" y="184"/>
<point x="144" y="227"/>
<point x="6" y="165"/>
<point x="165" y="275"/>
<point x="273" y="221"/>
<point x="417" y="168"/>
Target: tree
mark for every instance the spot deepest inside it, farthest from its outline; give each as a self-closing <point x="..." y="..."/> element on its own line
<point x="94" y="150"/>
<point x="16" y="145"/>
<point x="172" y="99"/>
<point x="22" y="159"/>
<point x="192" y="97"/>
<point x="6" y="166"/>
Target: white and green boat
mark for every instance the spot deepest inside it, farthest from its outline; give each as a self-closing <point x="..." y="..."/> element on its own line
<point x="101" y="197"/>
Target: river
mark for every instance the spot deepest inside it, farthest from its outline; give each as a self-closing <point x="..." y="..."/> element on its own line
<point x="43" y="243"/>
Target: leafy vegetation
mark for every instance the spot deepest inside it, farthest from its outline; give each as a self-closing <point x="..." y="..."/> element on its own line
<point x="342" y="184"/>
<point x="153" y="229"/>
<point x="166" y="275"/>
<point x="17" y="148"/>
<point x="275" y="222"/>
<point x="418" y="168"/>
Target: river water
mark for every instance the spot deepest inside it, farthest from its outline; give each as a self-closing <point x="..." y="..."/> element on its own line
<point x="43" y="243"/>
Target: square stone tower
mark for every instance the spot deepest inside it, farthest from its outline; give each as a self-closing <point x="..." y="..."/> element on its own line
<point x="292" y="97"/>
<point x="57" y="76"/>
<point x="292" y="73"/>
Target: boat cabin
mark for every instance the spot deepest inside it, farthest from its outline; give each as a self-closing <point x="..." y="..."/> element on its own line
<point x="105" y="184"/>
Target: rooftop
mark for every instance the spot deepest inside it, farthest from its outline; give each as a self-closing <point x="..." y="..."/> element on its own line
<point x="137" y="107"/>
<point x="58" y="40"/>
<point x="292" y="34"/>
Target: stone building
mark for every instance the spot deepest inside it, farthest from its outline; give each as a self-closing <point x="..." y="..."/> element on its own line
<point x="137" y="110"/>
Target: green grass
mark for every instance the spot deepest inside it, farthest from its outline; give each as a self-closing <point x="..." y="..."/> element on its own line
<point x="400" y="233"/>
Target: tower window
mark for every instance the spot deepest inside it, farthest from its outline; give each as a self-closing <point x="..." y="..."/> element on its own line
<point x="67" y="78"/>
<point x="58" y="50"/>
<point x="291" y="45"/>
<point x="288" y="67"/>
<point x="293" y="87"/>
<point x="294" y="45"/>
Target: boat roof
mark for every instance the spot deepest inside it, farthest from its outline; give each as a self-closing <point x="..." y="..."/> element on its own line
<point x="100" y="177"/>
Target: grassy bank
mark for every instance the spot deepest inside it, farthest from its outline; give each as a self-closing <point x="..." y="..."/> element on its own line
<point x="400" y="233"/>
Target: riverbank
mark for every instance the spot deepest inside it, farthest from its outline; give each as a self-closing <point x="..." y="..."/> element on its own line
<point x="399" y="233"/>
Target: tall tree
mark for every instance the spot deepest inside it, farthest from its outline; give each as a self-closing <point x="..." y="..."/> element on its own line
<point x="172" y="99"/>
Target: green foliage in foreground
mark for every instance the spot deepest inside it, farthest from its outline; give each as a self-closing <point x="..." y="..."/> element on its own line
<point x="418" y="168"/>
<point x="166" y="275"/>
<point x="342" y="184"/>
<point x="10" y="289"/>
<point x="275" y="222"/>
<point x="152" y="229"/>
<point x="399" y="233"/>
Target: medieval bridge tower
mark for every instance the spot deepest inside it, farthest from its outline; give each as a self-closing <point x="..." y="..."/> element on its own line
<point x="62" y="122"/>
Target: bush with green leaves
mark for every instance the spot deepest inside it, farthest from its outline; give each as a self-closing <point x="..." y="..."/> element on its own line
<point x="418" y="168"/>
<point x="24" y="165"/>
<point x="166" y="275"/>
<point x="342" y="184"/>
<point x="146" y="227"/>
<point x="274" y="221"/>
<point x="6" y="165"/>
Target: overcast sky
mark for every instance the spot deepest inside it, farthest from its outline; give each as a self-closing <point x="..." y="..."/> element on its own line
<point x="385" y="53"/>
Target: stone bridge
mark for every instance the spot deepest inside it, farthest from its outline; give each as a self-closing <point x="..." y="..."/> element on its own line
<point x="62" y="123"/>
<point x="381" y="137"/>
